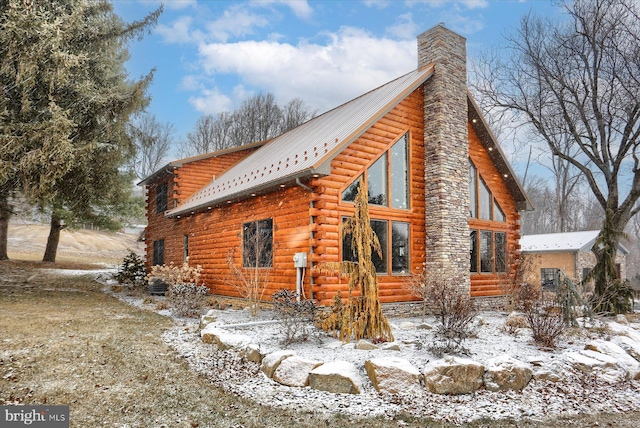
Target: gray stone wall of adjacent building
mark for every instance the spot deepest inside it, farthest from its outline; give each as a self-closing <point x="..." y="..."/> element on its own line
<point x="446" y="153"/>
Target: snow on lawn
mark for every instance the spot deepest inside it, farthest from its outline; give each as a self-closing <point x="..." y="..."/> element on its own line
<point x="575" y="394"/>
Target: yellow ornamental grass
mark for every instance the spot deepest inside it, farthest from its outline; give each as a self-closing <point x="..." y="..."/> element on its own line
<point x="361" y="317"/>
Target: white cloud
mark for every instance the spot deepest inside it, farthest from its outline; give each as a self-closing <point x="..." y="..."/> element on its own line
<point x="468" y="4"/>
<point x="300" y="8"/>
<point x="324" y="75"/>
<point x="235" y="22"/>
<point x="211" y="101"/>
<point x="405" y="29"/>
<point x="178" y="32"/>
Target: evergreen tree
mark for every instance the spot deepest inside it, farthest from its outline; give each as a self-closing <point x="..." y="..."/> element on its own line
<point x="67" y="99"/>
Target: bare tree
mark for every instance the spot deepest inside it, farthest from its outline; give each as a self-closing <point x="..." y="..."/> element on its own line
<point x="294" y="114"/>
<point x="578" y="80"/>
<point x="152" y="141"/>
<point x="211" y="133"/>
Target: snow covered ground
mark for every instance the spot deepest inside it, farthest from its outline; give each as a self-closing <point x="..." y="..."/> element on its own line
<point x="575" y="394"/>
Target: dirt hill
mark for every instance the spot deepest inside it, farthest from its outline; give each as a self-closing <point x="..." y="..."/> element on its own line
<point x="28" y="241"/>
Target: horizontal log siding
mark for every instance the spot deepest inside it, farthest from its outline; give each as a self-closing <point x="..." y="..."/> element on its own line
<point x="193" y="176"/>
<point x="350" y="163"/>
<point x="490" y="284"/>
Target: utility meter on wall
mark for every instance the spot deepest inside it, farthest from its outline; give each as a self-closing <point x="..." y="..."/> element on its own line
<point x="300" y="260"/>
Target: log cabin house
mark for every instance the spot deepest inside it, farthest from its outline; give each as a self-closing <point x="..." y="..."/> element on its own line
<point x="441" y="192"/>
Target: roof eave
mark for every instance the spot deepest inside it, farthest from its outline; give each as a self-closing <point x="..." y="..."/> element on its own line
<point x="246" y="193"/>
<point x="497" y="155"/>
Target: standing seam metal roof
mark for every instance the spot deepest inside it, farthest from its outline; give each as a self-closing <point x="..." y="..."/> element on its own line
<point x="307" y="149"/>
<point x="567" y="241"/>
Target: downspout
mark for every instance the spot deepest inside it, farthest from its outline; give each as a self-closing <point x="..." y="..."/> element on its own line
<point x="311" y="222"/>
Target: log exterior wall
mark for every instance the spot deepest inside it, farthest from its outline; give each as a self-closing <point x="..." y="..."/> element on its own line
<point x="486" y="284"/>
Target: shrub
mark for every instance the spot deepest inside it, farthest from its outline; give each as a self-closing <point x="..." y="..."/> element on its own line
<point x="185" y="295"/>
<point x="546" y="321"/>
<point x="514" y="322"/>
<point x="187" y="298"/>
<point x="131" y="272"/>
<point x="295" y="315"/>
<point x="454" y="310"/>
<point x="568" y="299"/>
<point x="616" y="298"/>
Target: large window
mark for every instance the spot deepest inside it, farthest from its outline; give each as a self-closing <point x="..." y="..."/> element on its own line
<point x="158" y="252"/>
<point x="488" y="251"/>
<point x="161" y="198"/>
<point x="394" y="257"/>
<point x="482" y="204"/>
<point x="257" y="244"/>
<point x="387" y="178"/>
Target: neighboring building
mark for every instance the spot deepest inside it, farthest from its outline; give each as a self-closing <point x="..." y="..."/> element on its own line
<point x="439" y="186"/>
<point x="570" y="252"/>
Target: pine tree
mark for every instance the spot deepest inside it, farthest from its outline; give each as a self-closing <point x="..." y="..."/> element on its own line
<point x="67" y="99"/>
<point x="362" y="316"/>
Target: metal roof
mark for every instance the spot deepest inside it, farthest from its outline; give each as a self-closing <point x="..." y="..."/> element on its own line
<point x="307" y="149"/>
<point x="557" y="242"/>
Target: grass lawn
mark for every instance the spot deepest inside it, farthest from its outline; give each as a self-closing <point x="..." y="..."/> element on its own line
<point x="65" y="342"/>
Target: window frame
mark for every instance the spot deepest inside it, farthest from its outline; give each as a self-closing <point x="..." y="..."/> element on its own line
<point x="387" y="248"/>
<point x="389" y="178"/>
<point x="476" y="254"/>
<point x="251" y="261"/>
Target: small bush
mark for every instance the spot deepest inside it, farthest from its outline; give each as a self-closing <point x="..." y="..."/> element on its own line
<point x="173" y="275"/>
<point x="296" y="316"/>
<point x="514" y="323"/>
<point x="454" y="310"/>
<point x="131" y="272"/>
<point x="617" y="298"/>
<point x="546" y="321"/>
<point x="188" y="299"/>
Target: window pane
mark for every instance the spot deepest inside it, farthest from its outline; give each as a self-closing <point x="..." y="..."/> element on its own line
<point x="158" y="252"/>
<point x="185" y="247"/>
<point x="377" y="176"/>
<point x="400" y="173"/>
<point x="498" y="214"/>
<point x="485" y="201"/>
<point x="380" y="229"/>
<point x="501" y="251"/>
<point x="257" y="244"/>
<point x="399" y="247"/>
<point x="161" y="198"/>
<point x="486" y="249"/>
<point x="548" y="276"/>
<point x="348" y="254"/>
<point x="473" y="189"/>
<point x="473" y="249"/>
<point x="349" y="194"/>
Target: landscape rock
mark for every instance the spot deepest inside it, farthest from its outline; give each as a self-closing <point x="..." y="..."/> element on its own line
<point x="424" y="326"/>
<point x="624" y="360"/>
<point x="365" y="345"/>
<point x="391" y="346"/>
<point x="340" y="377"/>
<point x="294" y="371"/>
<point x="622" y="319"/>
<point x="393" y="375"/>
<point x="406" y="325"/>
<point x="630" y="346"/>
<point x="207" y="318"/>
<point x="603" y="366"/>
<point x="624" y="330"/>
<point x="223" y="339"/>
<point x="453" y="375"/>
<point x="252" y="353"/>
<point x="271" y="361"/>
<point x="504" y="373"/>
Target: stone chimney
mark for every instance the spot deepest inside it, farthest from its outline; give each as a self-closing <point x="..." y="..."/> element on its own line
<point x="446" y="152"/>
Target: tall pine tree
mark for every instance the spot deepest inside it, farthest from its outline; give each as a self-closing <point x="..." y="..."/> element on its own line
<point x="66" y="101"/>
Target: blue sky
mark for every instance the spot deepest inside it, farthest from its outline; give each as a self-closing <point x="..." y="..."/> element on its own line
<point x="211" y="55"/>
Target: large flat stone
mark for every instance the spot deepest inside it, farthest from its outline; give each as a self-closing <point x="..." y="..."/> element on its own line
<point x="393" y="375"/>
<point x="339" y="377"/>
<point x="294" y="371"/>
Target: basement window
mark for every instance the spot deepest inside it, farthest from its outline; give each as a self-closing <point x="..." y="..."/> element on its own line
<point x="257" y="244"/>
